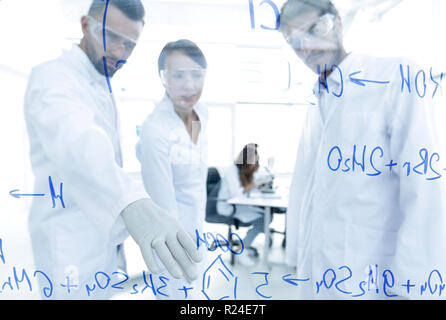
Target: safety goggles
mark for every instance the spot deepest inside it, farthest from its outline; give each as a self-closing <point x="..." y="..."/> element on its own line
<point x="181" y="76"/>
<point x="312" y="35"/>
<point x="112" y="38"/>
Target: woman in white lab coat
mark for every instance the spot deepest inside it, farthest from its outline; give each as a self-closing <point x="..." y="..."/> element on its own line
<point x="173" y="147"/>
<point x="238" y="179"/>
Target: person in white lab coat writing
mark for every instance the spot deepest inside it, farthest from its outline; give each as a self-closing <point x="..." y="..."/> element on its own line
<point x="72" y="124"/>
<point x="173" y="146"/>
<point x="238" y="179"/>
<point x="361" y="209"/>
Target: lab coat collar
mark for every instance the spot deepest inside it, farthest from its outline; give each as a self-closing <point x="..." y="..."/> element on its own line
<point x="83" y="65"/>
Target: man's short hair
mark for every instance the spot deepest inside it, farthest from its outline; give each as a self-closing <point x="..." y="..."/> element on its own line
<point x="187" y="47"/>
<point x="294" y="8"/>
<point x="133" y="9"/>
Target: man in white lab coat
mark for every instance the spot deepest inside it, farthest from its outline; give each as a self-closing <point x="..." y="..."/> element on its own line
<point x="72" y="123"/>
<point x="366" y="217"/>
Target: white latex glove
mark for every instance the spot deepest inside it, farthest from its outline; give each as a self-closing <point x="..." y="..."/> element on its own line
<point x="153" y="228"/>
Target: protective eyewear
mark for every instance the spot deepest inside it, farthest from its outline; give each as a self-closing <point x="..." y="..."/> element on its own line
<point x="308" y="36"/>
<point x="113" y="39"/>
<point x="181" y="76"/>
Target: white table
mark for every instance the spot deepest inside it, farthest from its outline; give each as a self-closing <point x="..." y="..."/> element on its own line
<point x="279" y="199"/>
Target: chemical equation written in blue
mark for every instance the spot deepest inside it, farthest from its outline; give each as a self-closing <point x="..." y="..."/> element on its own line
<point x="224" y="275"/>
<point x="369" y="161"/>
<point x="410" y="82"/>
<point x="54" y="195"/>
<point x="219" y="241"/>
<point x="381" y="283"/>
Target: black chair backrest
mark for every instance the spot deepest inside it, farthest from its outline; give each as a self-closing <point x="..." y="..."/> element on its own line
<point x="212" y="179"/>
<point x="213" y="188"/>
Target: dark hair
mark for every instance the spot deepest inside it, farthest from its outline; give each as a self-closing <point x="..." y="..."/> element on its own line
<point x="293" y="8"/>
<point x="245" y="161"/>
<point x="187" y="47"/>
<point x="133" y="9"/>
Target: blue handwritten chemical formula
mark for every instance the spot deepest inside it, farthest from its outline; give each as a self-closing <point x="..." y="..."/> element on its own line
<point x="369" y="161"/>
<point x="377" y="283"/>
<point x="54" y="193"/>
<point x="411" y="81"/>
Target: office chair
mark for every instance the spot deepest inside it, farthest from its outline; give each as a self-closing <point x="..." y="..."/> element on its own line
<point x="213" y="185"/>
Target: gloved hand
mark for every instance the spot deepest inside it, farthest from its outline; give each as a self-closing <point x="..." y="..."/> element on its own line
<point x="152" y="227"/>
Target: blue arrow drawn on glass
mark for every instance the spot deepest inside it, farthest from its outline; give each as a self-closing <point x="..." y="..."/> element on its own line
<point x="292" y="281"/>
<point x="361" y="82"/>
<point x="18" y="195"/>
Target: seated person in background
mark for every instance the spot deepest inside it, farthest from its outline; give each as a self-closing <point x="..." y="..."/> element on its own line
<point x="238" y="179"/>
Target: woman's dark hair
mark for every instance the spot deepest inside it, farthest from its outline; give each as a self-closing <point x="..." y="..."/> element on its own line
<point x="247" y="163"/>
<point x="133" y="9"/>
<point x="184" y="46"/>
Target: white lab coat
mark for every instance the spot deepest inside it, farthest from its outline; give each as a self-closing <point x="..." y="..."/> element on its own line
<point x="392" y="220"/>
<point x="231" y="187"/>
<point x="174" y="171"/>
<point x="72" y="124"/>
